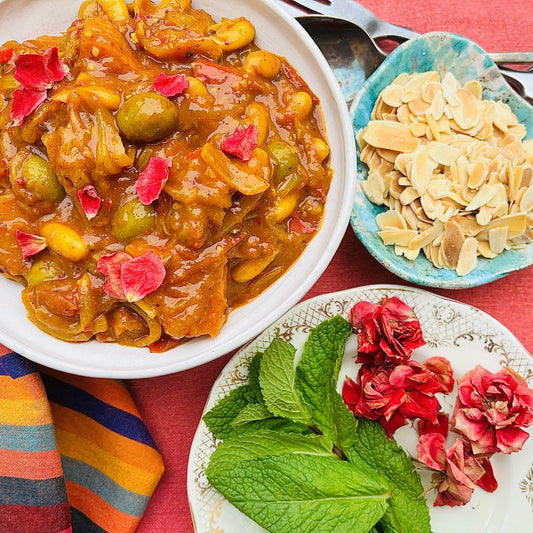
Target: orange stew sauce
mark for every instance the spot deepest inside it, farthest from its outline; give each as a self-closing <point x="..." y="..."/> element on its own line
<point x="225" y="229"/>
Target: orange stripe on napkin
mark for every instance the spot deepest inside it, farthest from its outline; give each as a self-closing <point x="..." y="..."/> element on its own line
<point x="23" y="388"/>
<point x="130" y="477"/>
<point x="129" y="451"/>
<point x="98" y="510"/>
<point x="30" y="465"/>
<point x="33" y="412"/>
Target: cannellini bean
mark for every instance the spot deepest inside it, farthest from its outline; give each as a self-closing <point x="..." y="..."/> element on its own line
<point x="232" y="35"/>
<point x="249" y="269"/>
<point x="263" y="63"/>
<point x="65" y="241"/>
<point x="300" y="104"/>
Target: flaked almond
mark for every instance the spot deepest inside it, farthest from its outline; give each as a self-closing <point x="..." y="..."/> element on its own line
<point x="391" y="219"/>
<point x="390" y="136"/>
<point x="452" y="243"/>
<point x="467" y="260"/>
<point x="498" y="239"/>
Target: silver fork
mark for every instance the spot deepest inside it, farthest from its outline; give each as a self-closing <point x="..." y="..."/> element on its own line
<point x="377" y="28"/>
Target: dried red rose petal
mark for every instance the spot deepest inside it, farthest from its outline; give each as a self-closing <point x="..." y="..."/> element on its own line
<point x="29" y="243"/>
<point x="442" y="370"/>
<point x="142" y="275"/>
<point x="55" y="69"/>
<point x="110" y="266"/>
<point x="171" y="85"/>
<point x="24" y="104"/>
<point x="152" y="180"/>
<point x="461" y="469"/>
<point x="90" y="201"/>
<point x="31" y="73"/>
<point x="441" y="427"/>
<point x="241" y="143"/>
<point x="5" y="55"/>
<point x="39" y="72"/>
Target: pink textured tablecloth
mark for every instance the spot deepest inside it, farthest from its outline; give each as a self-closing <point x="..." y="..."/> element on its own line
<point x="172" y="405"/>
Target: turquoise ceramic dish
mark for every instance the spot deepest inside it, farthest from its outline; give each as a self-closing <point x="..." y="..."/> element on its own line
<point x="442" y="52"/>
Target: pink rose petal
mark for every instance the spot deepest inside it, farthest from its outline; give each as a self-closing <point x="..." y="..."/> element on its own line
<point x="90" y="201"/>
<point x="24" y="103"/>
<point x="110" y="266"/>
<point x="142" y="275"/>
<point x="171" y="85"/>
<point x="54" y="68"/>
<point x="29" y="243"/>
<point x="152" y="180"/>
<point x="241" y="143"/>
<point x="431" y="451"/>
<point x="31" y="73"/>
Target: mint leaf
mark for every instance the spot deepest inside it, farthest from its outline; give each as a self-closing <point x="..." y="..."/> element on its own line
<point x="408" y="511"/>
<point x="219" y="419"/>
<point x="254" y="388"/>
<point x="275" y="423"/>
<point x="303" y="493"/>
<point x="263" y="443"/>
<point x="253" y="412"/>
<point x="277" y="382"/>
<point x="316" y="380"/>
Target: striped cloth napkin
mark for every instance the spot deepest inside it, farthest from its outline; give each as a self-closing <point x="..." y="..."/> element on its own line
<point x="75" y="455"/>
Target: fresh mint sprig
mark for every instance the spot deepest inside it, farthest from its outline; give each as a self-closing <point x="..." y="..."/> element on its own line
<point x="346" y="477"/>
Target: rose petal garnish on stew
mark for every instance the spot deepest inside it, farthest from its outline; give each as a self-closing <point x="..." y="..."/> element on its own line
<point x="29" y="243"/>
<point x="142" y="275"/>
<point x="90" y="201"/>
<point x="5" y="55"/>
<point x="31" y="73"/>
<point x="55" y="69"/>
<point x="241" y="143"/>
<point x="38" y="72"/>
<point x="110" y="266"/>
<point x="24" y="103"/>
<point x="171" y="85"/>
<point x="152" y="180"/>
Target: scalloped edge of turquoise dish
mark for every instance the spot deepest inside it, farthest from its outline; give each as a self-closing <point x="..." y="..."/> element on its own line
<point x="466" y="60"/>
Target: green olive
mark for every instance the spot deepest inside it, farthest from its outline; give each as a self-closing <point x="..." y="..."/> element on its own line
<point x="41" y="180"/>
<point x="286" y="158"/>
<point x="147" y="117"/>
<point x="42" y="270"/>
<point x="132" y="219"/>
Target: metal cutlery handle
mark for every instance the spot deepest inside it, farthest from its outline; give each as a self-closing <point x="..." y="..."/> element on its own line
<point x="377" y="28"/>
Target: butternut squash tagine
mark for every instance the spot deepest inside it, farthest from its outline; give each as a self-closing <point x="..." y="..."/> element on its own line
<point x="157" y="170"/>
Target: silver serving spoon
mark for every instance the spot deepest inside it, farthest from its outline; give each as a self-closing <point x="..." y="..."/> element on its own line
<point x="353" y="55"/>
<point x="376" y="28"/>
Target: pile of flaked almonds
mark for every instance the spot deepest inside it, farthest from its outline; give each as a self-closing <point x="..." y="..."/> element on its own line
<point x="452" y="168"/>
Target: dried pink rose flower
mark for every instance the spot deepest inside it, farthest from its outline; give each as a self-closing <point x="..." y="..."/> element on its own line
<point x="460" y="469"/>
<point x="388" y="332"/>
<point x="393" y="394"/>
<point x="492" y="409"/>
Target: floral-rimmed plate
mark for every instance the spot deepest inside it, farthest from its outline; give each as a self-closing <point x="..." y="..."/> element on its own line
<point x="443" y="52"/>
<point x="461" y="333"/>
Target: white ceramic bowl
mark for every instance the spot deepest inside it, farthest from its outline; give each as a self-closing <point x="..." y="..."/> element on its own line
<point x="279" y="33"/>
